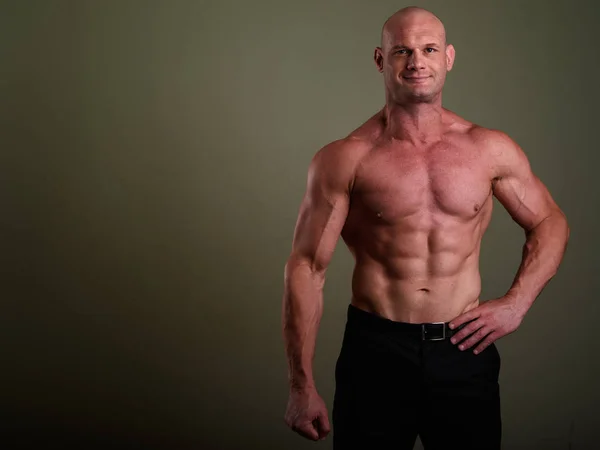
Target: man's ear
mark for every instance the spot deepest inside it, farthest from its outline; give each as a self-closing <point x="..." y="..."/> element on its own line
<point x="378" y="57"/>
<point x="450" y="55"/>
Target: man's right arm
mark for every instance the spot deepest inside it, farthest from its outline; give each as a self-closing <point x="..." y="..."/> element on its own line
<point x="322" y="215"/>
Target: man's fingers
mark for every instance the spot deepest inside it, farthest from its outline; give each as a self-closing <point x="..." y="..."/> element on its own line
<point x="306" y="414"/>
<point x="307" y="430"/>
<point x="474" y="339"/>
<point x="486" y="343"/>
<point x="467" y="331"/>
<point x="323" y="425"/>
<point x="315" y="430"/>
<point x="464" y="318"/>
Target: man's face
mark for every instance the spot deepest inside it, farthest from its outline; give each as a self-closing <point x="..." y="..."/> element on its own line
<point x="414" y="59"/>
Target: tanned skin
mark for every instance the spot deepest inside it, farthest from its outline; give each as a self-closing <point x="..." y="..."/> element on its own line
<point x="411" y="192"/>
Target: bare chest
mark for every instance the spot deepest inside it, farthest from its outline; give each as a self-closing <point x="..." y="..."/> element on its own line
<point x="445" y="180"/>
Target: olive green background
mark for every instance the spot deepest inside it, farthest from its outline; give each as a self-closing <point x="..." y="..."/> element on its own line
<point x="153" y="159"/>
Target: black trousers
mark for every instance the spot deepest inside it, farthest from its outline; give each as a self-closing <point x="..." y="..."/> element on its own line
<point x="391" y="385"/>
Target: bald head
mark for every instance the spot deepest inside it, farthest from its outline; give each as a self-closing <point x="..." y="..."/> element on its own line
<point x="410" y="20"/>
<point x="414" y="56"/>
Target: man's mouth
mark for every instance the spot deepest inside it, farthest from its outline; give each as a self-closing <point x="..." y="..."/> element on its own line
<point x="416" y="80"/>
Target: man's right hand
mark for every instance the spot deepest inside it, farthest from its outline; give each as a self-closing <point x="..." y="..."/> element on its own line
<point x="306" y="414"/>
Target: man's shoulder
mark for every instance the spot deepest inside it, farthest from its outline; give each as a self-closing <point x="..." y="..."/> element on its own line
<point x="480" y="135"/>
<point x="342" y="153"/>
<point x="335" y="163"/>
<point x="355" y="145"/>
<point x="491" y="138"/>
<point x="502" y="153"/>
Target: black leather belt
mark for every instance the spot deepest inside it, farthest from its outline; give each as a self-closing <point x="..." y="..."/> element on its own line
<point x="432" y="331"/>
<point x="437" y="331"/>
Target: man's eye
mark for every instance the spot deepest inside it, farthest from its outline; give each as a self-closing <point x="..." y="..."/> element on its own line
<point x="401" y="51"/>
<point x="430" y="50"/>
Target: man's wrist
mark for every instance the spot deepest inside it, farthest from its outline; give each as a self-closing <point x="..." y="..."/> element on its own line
<point x="520" y="302"/>
<point x="302" y="387"/>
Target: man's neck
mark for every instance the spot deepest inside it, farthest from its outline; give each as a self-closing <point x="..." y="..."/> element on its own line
<point x="418" y="123"/>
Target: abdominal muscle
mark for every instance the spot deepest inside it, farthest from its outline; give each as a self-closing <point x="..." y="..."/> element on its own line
<point x="404" y="283"/>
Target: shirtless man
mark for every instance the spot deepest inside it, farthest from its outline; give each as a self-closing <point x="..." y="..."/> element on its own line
<point x="410" y="192"/>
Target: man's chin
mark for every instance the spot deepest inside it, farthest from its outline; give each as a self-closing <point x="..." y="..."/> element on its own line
<point x="416" y="96"/>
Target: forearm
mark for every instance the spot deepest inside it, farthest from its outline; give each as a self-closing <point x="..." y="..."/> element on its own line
<point x="542" y="254"/>
<point x="301" y="315"/>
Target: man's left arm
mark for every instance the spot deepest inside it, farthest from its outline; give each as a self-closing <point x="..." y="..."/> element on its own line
<point x="530" y="205"/>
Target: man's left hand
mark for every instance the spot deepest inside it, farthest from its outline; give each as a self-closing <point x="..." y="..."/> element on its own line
<point x="490" y="321"/>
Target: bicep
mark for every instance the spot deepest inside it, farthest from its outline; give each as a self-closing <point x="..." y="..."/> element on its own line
<point x="322" y="214"/>
<point x="319" y="225"/>
<point x="520" y="191"/>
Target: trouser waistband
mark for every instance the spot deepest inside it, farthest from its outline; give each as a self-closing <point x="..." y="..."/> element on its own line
<point x="426" y="331"/>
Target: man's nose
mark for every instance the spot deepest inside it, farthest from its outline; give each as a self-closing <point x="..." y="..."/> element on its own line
<point x="415" y="61"/>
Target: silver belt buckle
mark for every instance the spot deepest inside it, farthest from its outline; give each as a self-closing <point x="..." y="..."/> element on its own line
<point x="434" y="339"/>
